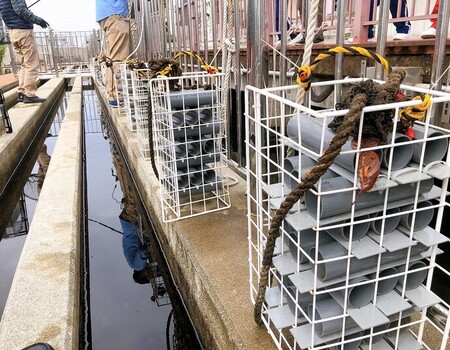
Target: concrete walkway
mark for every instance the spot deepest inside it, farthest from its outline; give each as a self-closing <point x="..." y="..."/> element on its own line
<point x="43" y="303"/>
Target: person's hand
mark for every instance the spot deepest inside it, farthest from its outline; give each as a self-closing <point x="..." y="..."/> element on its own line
<point x="41" y="22"/>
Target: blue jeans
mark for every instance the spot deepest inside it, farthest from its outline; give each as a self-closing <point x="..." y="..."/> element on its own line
<point x="400" y="27"/>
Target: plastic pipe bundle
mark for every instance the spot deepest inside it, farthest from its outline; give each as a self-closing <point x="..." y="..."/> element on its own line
<point x="192" y="98"/>
<point x="390" y="223"/>
<point x="325" y="309"/>
<point x="297" y="167"/>
<point x="413" y="278"/>
<point x="341" y="202"/>
<point x="338" y="268"/>
<point x="401" y="153"/>
<point x="306" y="240"/>
<point x="310" y="128"/>
<point x="386" y="284"/>
<point x="434" y="149"/>
<point x="422" y="218"/>
<point x="359" y="228"/>
<point x="359" y="296"/>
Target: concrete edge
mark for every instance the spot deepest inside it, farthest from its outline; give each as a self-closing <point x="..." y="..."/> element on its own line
<point x="46" y="284"/>
<point x="25" y="120"/>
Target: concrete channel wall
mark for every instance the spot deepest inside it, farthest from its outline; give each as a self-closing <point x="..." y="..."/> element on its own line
<point x="207" y="254"/>
<point x="43" y="303"/>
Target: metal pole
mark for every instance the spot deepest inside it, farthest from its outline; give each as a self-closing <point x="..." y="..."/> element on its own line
<point x="237" y="76"/>
<point x="382" y="30"/>
<point x="340" y="33"/>
<point x="282" y="24"/>
<point x="439" y="55"/>
<point x="205" y="31"/>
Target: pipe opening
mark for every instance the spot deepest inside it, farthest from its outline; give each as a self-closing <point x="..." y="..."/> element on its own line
<point x="401" y="154"/>
<point x="390" y="224"/>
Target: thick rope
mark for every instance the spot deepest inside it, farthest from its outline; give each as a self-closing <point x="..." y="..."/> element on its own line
<point x="310" y="179"/>
<point x="312" y="18"/>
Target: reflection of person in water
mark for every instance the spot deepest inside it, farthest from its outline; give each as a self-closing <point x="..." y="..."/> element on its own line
<point x="43" y="161"/>
<point x="134" y="250"/>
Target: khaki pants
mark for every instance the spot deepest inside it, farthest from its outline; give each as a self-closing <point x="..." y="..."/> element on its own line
<point x="27" y="54"/>
<point x="117" y="37"/>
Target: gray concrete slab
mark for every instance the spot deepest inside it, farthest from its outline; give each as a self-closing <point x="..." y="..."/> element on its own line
<point x="208" y="256"/>
<point x="43" y="302"/>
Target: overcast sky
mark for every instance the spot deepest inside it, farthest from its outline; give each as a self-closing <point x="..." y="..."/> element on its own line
<point x="66" y="14"/>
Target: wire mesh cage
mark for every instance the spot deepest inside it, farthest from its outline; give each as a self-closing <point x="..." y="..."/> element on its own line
<point x="189" y="131"/>
<point x="351" y="268"/>
<point x="125" y="93"/>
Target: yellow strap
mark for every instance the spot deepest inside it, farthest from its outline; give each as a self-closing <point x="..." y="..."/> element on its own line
<point x="304" y="72"/>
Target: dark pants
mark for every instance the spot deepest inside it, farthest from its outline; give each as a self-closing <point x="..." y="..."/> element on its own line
<point x="400" y="27"/>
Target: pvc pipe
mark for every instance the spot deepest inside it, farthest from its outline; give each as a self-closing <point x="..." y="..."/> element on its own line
<point x="297" y="167"/>
<point x="306" y="239"/>
<point x="190" y="118"/>
<point x="205" y="115"/>
<point x="434" y="149"/>
<point x="310" y="133"/>
<point x="192" y="98"/>
<point x="338" y="268"/>
<point x="359" y="296"/>
<point x="350" y="345"/>
<point x="195" y="177"/>
<point x="359" y="229"/>
<point x="340" y="203"/>
<point x="303" y="301"/>
<point x="209" y="176"/>
<point x="390" y="224"/>
<point x="201" y="189"/>
<point x="394" y="324"/>
<point x="182" y="179"/>
<point x="325" y="309"/>
<point x="193" y="147"/>
<point x="402" y="153"/>
<point x="177" y="119"/>
<point x="414" y="278"/>
<point x="386" y="285"/>
<point x="196" y="132"/>
<point x="422" y="219"/>
<point x="181" y="150"/>
<point x="375" y="338"/>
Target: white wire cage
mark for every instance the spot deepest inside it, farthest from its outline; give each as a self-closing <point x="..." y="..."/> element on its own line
<point x="349" y="272"/>
<point x="189" y="138"/>
<point x="125" y="94"/>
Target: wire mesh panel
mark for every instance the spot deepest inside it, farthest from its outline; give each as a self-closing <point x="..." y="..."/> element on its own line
<point x="353" y="267"/>
<point x="190" y="144"/>
<point x="125" y="92"/>
<point x="139" y="102"/>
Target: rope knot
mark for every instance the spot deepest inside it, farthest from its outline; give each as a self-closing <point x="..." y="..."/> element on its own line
<point x="304" y="77"/>
<point x="413" y="113"/>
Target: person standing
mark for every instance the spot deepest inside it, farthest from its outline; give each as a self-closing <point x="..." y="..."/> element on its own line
<point x="19" y="21"/>
<point x="111" y="15"/>
<point x="430" y="33"/>
<point x="402" y="28"/>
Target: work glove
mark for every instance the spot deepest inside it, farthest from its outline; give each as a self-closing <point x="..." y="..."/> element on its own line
<point x="41" y="22"/>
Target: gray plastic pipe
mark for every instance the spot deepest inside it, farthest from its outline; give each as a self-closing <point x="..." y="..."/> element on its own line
<point x="192" y="98"/>
<point x="359" y="296"/>
<point x="182" y="179"/>
<point x="386" y="284"/>
<point x="376" y="337"/>
<point x="186" y="118"/>
<point x="338" y="268"/>
<point x="306" y="239"/>
<point x="340" y="203"/>
<point x="414" y="278"/>
<point x="297" y="167"/>
<point x="303" y="301"/>
<point x="353" y="345"/>
<point x="325" y="309"/>
<point x="196" y="132"/>
<point x="394" y="324"/>
<point x="201" y="189"/>
<point x="390" y="223"/>
<point x="310" y="133"/>
<point x="205" y="115"/>
<point x="401" y="153"/>
<point x="359" y="229"/>
<point x="422" y="219"/>
<point x="434" y="149"/>
<point x="195" y="177"/>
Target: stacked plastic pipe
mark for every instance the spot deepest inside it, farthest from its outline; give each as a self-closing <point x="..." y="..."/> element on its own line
<point x="345" y="282"/>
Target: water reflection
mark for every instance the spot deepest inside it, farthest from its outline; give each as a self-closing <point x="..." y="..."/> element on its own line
<point x="126" y="314"/>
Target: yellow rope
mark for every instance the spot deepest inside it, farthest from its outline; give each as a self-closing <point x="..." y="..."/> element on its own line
<point x="304" y="72"/>
<point x="207" y="67"/>
<point x="412" y="113"/>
